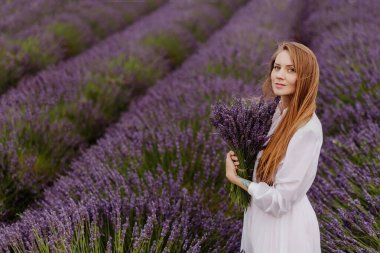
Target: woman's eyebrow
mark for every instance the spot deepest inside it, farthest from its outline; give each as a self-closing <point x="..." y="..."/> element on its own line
<point x="286" y="65"/>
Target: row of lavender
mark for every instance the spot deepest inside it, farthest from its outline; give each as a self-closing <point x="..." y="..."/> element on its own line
<point x="49" y="118"/>
<point x="155" y="182"/>
<point x="67" y="32"/>
<point x="18" y="14"/>
<point x="344" y="36"/>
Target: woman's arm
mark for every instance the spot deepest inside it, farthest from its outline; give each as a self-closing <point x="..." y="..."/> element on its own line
<point x="241" y="182"/>
<point x="293" y="179"/>
<point x="231" y="174"/>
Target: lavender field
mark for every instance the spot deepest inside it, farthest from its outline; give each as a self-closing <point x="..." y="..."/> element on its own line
<point x="105" y="138"/>
<point x="44" y="32"/>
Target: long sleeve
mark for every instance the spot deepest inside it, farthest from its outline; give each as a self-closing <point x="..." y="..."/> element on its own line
<point x="294" y="178"/>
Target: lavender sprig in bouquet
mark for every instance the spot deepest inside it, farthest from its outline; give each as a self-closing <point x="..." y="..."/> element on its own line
<point x="244" y="126"/>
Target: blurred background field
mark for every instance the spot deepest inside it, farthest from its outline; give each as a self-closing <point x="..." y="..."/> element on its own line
<point x="105" y="138"/>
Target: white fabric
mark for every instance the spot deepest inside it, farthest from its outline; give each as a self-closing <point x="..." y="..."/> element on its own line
<point x="280" y="218"/>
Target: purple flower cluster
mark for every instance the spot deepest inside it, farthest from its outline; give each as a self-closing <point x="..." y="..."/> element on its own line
<point x="127" y="218"/>
<point x="345" y="193"/>
<point x="349" y="90"/>
<point x="59" y="35"/>
<point x="246" y="56"/>
<point x="157" y="175"/>
<point x="17" y="15"/>
<point x="244" y="126"/>
<point x="48" y="119"/>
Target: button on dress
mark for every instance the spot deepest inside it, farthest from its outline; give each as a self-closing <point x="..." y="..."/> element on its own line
<point x="280" y="218"/>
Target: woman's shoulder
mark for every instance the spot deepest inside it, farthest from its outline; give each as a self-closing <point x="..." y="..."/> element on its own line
<point x="312" y="128"/>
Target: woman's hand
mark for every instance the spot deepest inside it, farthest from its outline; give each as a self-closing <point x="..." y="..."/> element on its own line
<point x="231" y="166"/>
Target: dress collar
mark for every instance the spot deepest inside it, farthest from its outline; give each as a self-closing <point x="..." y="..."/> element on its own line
<point x="284" y="111"/>
<point x="279" y="111"/>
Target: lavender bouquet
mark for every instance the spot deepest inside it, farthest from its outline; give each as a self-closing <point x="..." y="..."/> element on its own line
<point x="244" y="125"/>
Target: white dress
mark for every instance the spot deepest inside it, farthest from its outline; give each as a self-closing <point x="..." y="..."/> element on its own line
<point x="280" y="218"/>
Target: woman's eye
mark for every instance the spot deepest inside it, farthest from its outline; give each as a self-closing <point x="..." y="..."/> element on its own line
<point x="291" y="70"/>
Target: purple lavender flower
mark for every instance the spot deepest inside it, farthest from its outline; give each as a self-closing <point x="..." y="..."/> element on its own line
<point x="31" y="46"/>
<point x="244" y="127"/>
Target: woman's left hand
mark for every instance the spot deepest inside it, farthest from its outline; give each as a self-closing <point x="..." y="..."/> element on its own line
<point x="231" y="167"/>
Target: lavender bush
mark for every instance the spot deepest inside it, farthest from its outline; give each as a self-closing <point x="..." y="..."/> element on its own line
<point x="350" y="89"/>
<point x="17" y="15"/>
<point x="123" y="221"/>
<point x="346" y="192"/>
<point x="352" y="86"/>
<point x="328" y="16"/>
<point x="49" y="118"/>
<point x="244" y="126"/>
<point x="235" y="56"/>
<point x="62" y="35"/>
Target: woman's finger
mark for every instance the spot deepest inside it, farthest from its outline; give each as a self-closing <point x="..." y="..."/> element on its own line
<point x="229" y="158"/>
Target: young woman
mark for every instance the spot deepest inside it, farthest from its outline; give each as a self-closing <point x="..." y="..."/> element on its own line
<point x="280" y="218"/>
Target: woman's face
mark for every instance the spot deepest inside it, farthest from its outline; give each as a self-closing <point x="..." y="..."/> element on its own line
<point x="283" y="75"/>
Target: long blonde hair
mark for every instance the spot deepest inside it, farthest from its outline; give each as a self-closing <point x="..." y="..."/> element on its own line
<point x="300" y="109"/>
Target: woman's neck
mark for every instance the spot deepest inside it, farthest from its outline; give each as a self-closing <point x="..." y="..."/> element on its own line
<point x="282" y="106"/>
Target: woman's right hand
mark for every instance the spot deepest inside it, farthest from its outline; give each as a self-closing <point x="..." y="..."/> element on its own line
<point x="234" y="158"/>
<point x="231" y="166"/>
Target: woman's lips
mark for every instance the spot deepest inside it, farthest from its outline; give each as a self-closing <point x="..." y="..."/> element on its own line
<point x="278" y="85"/>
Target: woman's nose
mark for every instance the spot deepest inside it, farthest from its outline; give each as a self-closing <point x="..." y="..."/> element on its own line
<point x="280" y="74"/>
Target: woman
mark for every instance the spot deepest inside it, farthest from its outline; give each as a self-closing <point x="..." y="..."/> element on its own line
<point x="280" y="218"/>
